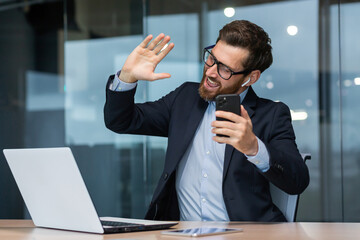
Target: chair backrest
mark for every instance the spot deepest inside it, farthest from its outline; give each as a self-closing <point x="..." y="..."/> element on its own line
<point x="285" y="202"/>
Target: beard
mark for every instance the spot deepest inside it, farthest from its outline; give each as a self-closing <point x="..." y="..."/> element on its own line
<point x="211" y="95"/>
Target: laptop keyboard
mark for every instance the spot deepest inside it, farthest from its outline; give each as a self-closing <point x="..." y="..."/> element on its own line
<point x="119" y="224"/>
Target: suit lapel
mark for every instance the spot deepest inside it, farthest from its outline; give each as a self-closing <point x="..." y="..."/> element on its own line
<point x="249" y="104"/>
<point x="197" y="113"/>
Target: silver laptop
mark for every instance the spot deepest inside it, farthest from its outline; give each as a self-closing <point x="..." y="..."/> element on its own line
<point x="56" y="196"/>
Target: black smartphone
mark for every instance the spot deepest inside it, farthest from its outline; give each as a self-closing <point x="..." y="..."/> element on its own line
<point x="228" y="103"/>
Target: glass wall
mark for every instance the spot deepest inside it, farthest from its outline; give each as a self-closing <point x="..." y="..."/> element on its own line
<point x="350" y="97"/>
<point x="31" y="92"/>
<point x="52" y="90"/>
<point x="98" y="37"/>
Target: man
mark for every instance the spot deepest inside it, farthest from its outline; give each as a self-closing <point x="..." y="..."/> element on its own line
<point x="207" y="177"/>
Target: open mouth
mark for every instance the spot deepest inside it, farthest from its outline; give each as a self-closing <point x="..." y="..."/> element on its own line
<point x="211" y="83"/>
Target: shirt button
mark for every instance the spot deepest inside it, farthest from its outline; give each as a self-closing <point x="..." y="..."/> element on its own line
<point x="257" y="162"/>
<point x="205" y="175"/>
<point x="208" y="152"/>
<point x="203" y="200"/>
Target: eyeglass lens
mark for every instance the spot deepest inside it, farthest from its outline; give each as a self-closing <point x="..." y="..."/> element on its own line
<point x="210" y="60"/>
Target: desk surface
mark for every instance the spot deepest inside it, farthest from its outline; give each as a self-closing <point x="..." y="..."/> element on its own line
<point x="24" y="229"/>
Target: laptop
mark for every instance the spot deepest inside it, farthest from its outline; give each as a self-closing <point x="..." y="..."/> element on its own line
<point x="55" y="194"/>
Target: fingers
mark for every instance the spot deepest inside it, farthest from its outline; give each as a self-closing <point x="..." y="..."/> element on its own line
<point x="146" y="41"/>
<point x="239" y="131"/>
<point x="159" y="46"/>
<point x="165" y="52"/>
<point x="223" y="124"/>
<point x="224" y="131"/>
<point x="226" y="128"/>
<point x="162" y="44"/>
<point x="225" y="140"/>
<point x="228" y="115"/>
<point x="157" y="76"/>
<point x="156" y="41"/>
<point x="234" y="124"/>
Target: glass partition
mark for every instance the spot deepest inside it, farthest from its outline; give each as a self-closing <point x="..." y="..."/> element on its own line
<point x="98" y="39"/>
<point x="350" y="97"/>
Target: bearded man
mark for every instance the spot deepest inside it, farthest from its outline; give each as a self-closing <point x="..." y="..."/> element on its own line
<point x="214" y="170"/>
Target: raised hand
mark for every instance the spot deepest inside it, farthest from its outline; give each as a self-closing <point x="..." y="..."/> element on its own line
<point x="141" y="63"/>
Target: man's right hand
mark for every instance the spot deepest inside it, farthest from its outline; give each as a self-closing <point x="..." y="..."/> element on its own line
<point x="141" y="63"/>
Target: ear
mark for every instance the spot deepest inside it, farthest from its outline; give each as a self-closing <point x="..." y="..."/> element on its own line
<point x="254" y="76"/>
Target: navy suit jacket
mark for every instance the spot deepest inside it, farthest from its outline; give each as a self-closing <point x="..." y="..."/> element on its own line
<point x="245" y="188"/>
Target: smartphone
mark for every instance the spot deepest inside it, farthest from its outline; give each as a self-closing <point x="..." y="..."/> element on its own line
<point x="202" y="231"/>
<point x="228" y="103"/>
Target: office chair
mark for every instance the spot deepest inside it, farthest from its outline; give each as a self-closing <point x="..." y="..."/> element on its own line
<point x="287" y="203"/>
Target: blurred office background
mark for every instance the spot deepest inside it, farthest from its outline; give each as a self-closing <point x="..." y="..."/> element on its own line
<point x="56" y="56"/>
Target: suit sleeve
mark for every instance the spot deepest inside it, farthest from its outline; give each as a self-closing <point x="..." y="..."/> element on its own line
<point x="122" y="115"/>
<point x="287" y="168"/>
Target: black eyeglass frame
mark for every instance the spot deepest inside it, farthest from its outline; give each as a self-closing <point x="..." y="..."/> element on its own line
<point x="206" y="49"/>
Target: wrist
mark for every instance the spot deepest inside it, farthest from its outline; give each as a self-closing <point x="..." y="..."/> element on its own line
<point x="254" y="149"/>
<point x="126" y="77"/>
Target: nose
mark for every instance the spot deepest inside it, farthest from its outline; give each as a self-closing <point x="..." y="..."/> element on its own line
<point x="212" y="71"/>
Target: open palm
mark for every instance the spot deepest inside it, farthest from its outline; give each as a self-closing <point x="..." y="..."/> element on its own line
<point x="141" y="63"/>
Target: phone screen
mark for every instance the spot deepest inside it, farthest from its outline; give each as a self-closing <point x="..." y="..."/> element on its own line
<point x="204" y="231"/>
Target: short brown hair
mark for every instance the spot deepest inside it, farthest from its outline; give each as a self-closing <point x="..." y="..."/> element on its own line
<point x="245" y="34"/>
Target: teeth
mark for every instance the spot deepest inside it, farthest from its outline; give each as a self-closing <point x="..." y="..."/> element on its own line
<point x="212" y="82"/>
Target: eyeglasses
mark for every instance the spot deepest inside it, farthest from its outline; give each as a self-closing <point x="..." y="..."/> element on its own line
<point x="224" y="71"/>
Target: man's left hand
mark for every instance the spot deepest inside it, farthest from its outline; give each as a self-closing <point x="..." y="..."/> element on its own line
<point x="239" y="130"/>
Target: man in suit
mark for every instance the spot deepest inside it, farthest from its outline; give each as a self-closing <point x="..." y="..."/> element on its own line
<point x="208" y="177"/>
